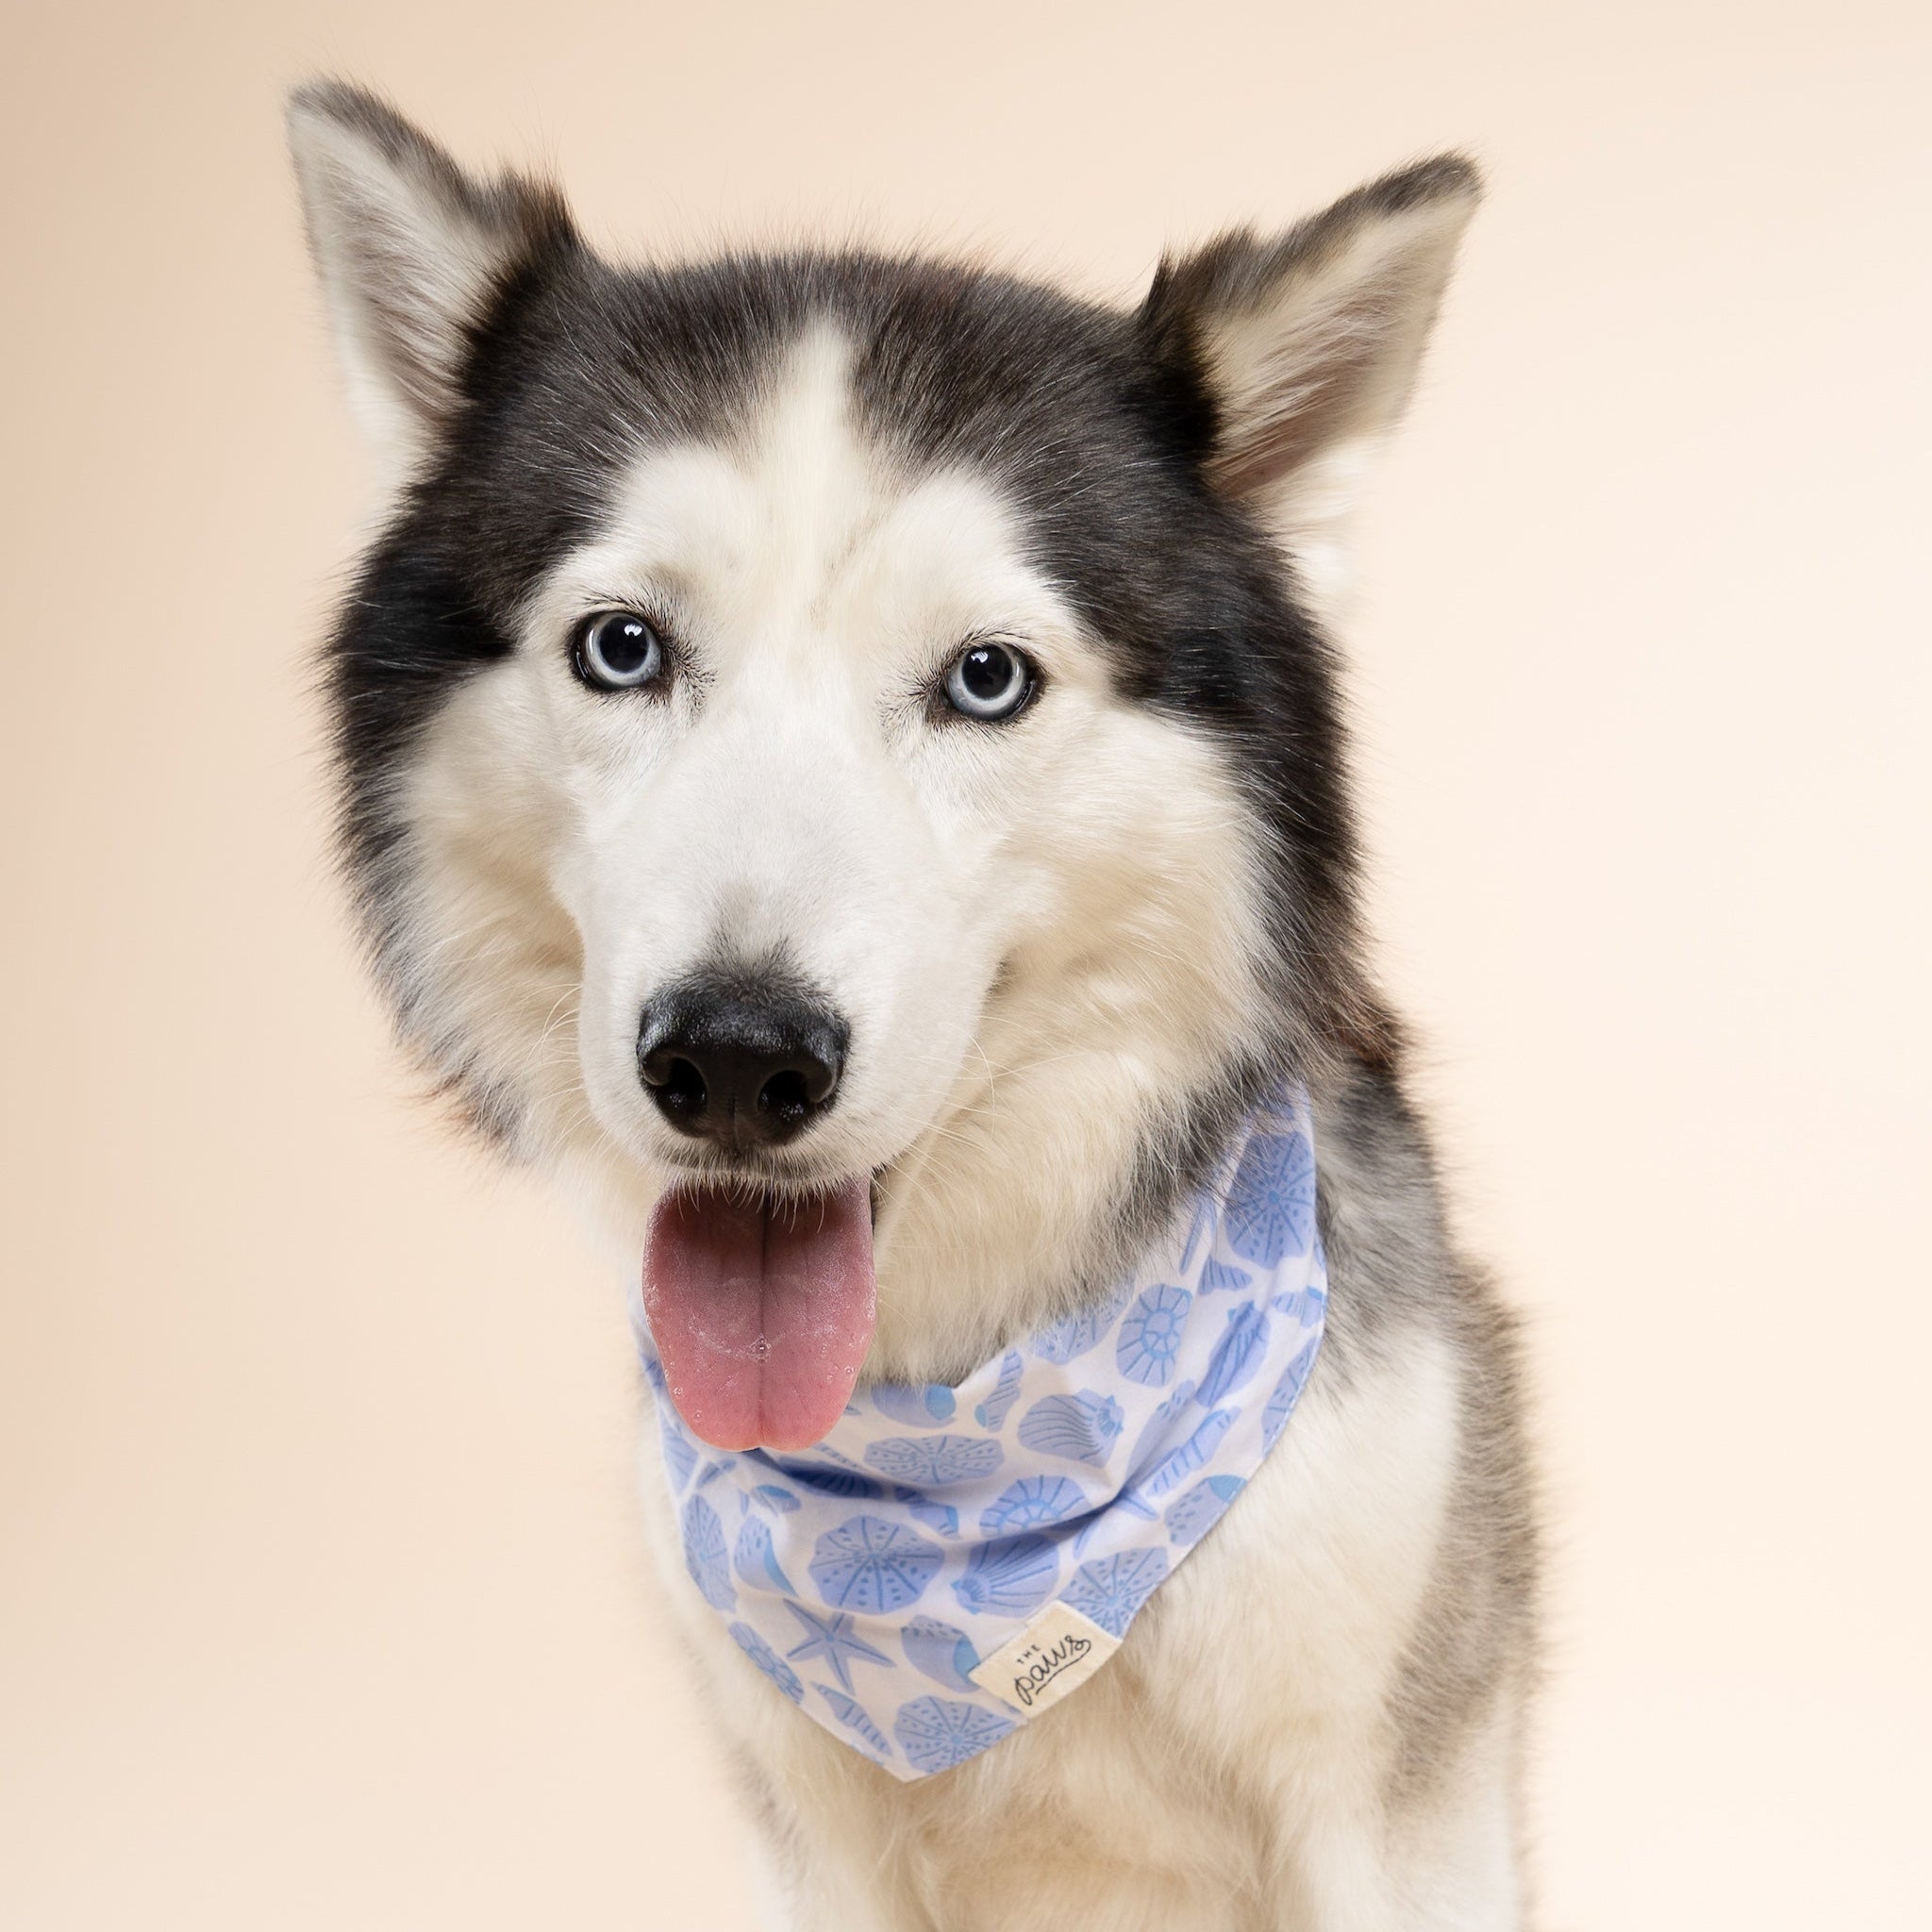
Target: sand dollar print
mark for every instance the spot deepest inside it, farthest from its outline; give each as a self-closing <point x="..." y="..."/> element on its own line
<point x="869" y="1563"/>
<point x="1271" y="1207"/>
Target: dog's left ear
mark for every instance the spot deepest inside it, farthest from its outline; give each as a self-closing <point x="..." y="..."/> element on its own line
<point x="1305" y="347"/>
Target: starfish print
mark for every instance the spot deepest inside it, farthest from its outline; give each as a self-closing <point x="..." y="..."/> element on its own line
<point x="831" y="1637"/>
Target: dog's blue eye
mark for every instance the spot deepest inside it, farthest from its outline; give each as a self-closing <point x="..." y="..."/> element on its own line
<point x="989" y="682"/>
<point x="618" y="651"/>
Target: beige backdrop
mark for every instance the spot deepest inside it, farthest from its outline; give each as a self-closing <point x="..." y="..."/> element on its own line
<point x="321" y="1602"/>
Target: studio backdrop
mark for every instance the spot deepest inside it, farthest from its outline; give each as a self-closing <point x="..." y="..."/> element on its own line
<point x="322" y="1602"/>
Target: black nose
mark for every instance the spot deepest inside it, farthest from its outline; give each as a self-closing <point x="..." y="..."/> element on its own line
<point x="744" y="1061"/>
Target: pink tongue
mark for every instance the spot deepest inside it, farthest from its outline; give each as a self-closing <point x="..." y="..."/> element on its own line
<point x="762" y="1313"/>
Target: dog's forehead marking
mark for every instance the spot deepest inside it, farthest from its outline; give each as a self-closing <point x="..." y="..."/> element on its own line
<point x="798" y="523"/>
<point x="820" y="492"/>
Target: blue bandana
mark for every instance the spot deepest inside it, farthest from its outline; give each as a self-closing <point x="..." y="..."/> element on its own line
<point x="951" y="1562"/>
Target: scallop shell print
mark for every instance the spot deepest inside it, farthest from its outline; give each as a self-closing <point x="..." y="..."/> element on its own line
<point x="1271" y="1207"/>
<point x="1111" y="1588"/>
<point x="1082" y="1428"/>
<point x="1009" y="1577"/>
<point x="706" y="1556"/>
<point x="936" y="1733"/>
<point x="871" y="1564"/>
<point x="768" y="1660"/>
<point x="1033" y="1503"/>
<point x="931" y="1461"/>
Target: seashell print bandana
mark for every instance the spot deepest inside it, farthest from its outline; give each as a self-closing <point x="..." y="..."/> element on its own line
<point x="951" y="1562"/>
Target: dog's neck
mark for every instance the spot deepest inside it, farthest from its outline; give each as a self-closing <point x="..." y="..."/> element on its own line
<point x="1005" y="1218"/>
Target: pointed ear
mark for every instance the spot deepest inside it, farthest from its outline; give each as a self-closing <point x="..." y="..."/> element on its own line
<point x="412" y="252"/>
<point x="1306" y="347"/>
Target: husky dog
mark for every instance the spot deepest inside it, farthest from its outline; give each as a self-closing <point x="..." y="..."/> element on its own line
<point x="840" y="765"/>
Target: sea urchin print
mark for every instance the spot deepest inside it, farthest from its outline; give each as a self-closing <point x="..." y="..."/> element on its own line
<point x="1271" y="1207"/>
<point x="706" y="1556"/>
<point x="1111" y="1588"/>
<point x="936" y="1733"/>
<point x="929" y="1461"/>
<point x="873" y="1564"/>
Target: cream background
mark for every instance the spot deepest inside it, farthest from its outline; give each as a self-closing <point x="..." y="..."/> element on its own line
<point x="321" y="1602"/>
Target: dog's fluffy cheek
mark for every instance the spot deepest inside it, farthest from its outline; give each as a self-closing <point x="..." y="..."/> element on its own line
<point x="488" y="958"/>
<point x="1148" y="890"/>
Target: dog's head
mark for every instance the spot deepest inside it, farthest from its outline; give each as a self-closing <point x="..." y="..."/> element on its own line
<point x="822" y="733"/>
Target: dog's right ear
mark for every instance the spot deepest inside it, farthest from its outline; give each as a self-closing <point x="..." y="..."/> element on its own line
<point x="412" y="252"/>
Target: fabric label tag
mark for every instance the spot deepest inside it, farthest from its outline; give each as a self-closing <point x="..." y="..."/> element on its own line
<point x="1056" y="1652"/>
